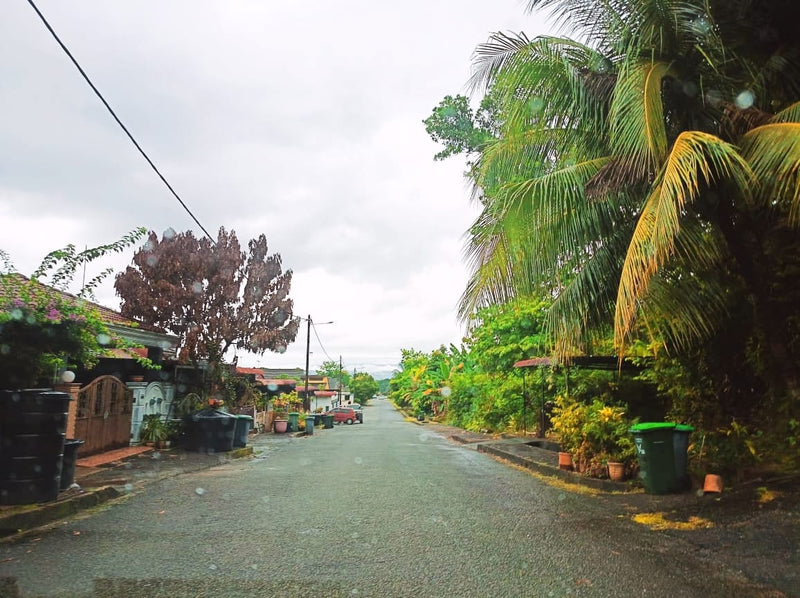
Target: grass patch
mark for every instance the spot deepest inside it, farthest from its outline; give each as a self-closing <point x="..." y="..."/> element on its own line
<point x="657" y="521"/>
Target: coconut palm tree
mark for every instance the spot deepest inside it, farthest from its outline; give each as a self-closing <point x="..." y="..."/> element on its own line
<point x="647" y="173"/>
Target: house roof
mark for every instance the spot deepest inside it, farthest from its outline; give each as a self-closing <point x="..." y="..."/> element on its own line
<point x="250" y="371"/>
<point x="131" y="330"/>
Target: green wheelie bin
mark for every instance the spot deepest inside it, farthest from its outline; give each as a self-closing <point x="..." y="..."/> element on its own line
<point x="680" y="444"/>
<point x="294" y="421"/>
<point x="310" y="425"/>
<point x="656" y="452"/>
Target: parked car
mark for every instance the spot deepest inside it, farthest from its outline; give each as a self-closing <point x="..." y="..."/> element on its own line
<point x="359" y="412"/>
<point x="343" y="414"/>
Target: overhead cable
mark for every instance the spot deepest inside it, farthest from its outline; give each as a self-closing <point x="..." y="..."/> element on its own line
<point x="119" y="122"/>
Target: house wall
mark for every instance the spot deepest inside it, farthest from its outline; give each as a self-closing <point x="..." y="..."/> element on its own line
<point x="149" y="398"/>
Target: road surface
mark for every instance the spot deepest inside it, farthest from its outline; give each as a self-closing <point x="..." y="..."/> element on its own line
<point x="379" y="509"/>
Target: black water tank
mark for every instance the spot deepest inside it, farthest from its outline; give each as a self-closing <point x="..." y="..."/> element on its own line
<point x="210" y="431"/>
<point x="33" y="425"/>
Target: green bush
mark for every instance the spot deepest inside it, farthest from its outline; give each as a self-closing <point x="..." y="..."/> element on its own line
<point x="594" y="433"/>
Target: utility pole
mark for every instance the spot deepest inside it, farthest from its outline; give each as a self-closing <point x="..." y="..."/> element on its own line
<point x="339" y="402"/>
<point x="307" y="400"/>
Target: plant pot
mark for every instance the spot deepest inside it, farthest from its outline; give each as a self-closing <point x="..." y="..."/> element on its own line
<point x="565" y="461"/>
<point x="712" y="483"/>
<point x="616" y="471"/>
<point x="281" y="425"/>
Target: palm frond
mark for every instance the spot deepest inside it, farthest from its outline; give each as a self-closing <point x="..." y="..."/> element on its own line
<point x="696" y="159"/>
<point x="790" y="114"/>
<point x="638" y="132"/>
<point x="773" y="151"/>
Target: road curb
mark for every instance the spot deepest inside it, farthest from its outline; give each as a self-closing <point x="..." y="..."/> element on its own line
<point x="496" y="450"/>
<point x="25" y="518"/>
<point x="16" y="523"/>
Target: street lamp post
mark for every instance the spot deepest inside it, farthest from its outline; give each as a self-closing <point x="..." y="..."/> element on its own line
<point x="307" y="401"/>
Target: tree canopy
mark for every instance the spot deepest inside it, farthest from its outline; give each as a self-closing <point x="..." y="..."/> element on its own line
<point x="212" y="294"/>
<point x="364" y="387"/>
<point x="645" y="176"/>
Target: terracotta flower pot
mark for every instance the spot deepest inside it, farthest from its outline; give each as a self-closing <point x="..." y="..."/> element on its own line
<point x="616" y="471"/>
<point x="565" y="461"/>
<point x="712" y="483"/>
<point x="281" y="425"/>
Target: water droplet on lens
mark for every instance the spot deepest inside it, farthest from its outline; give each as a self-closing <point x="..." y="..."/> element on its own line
<point x="199" y="491"/>
<point x="103" y="339"/>
<point x="358" y="460"/>
<point x="128" y="487"/>
<point x="446" y="392"/>
<point x="745" y="99"/>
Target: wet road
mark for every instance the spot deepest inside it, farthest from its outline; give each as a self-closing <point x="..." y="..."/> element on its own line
<point x="379" y="509"/>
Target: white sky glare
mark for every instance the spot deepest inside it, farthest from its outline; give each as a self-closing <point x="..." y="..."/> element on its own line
<point x="302" y="121"/>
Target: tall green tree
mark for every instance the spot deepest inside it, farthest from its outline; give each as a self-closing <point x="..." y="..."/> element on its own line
<point x="647" y="175"/>
<point x="332" y="369"/>
<point x="364" y="387"/>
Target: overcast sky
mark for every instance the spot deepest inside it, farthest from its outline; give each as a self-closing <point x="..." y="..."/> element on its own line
<point x="299" y="120"/>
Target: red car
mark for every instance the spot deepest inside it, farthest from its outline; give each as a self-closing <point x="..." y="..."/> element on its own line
<point x="343" y="414"/>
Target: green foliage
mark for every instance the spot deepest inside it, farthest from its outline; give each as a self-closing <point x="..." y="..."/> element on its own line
<point x="238" y="392"/>
<point x="154" y="429"/>
<point x="646" y="176"/>
<point x="506" y="333"/>
<point x="333" y="369"/>
<point x="286" y="402"/>
<point x="43" y="328"/>
<point x="594" y="433"/>
<point x="454" y="124"/>
<point x="363" y="386"/>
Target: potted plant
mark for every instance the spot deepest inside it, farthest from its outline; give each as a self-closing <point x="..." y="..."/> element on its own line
<point x="154" y="430"/>
<point x="174" y="431"/>
<point x="568" y="419"/>
<point x="280" y="406"/>
<point x="595" y="435"/>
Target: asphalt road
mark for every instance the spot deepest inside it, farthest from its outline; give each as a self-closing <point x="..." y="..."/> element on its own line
<point x="379" y="509"/>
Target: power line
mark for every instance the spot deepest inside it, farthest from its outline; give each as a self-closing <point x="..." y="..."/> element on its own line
<point x="316" y="334"/>
<point x="116" y="118"/>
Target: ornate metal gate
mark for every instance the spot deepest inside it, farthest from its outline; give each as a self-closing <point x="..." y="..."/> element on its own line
<point x="103" y="418"/>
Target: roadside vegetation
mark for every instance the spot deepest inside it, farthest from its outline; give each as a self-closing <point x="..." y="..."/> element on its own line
<point x="640" y="199"/>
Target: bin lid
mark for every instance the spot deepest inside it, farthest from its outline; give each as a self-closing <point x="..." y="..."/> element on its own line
<point x="683" y="428"/>
<point x="210" y="413"/>
<point x="241" y="416"/>
<point x="652" y="426"/>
